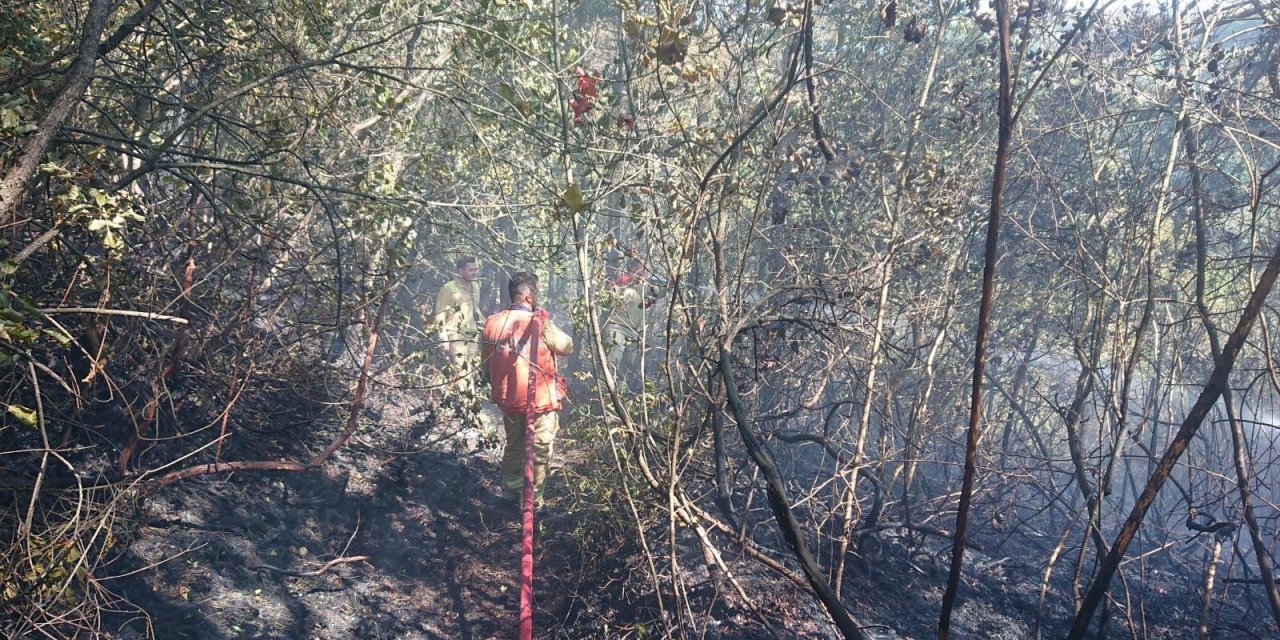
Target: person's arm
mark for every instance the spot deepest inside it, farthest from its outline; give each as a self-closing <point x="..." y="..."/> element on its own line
<point x="486" y="351"/>
<point x="653" y="291"/>
<point x="475" y="306"/>
<point x="556" y="340"/>
<point x="446" y="310"/>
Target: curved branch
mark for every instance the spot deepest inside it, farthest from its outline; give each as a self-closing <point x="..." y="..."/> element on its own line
<point x="810" y="89"/>
<point x="781" y="505"/>
<point x="79" y="75"/>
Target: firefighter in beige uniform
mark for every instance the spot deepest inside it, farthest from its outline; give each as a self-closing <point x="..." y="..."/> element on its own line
<point x="624" y="329"/>
<point x="458" y="318"/>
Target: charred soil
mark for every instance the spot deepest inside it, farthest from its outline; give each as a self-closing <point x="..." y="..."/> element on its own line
<point x="404" y="535"/>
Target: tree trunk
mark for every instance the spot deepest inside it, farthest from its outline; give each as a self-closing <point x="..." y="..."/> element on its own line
<point x="984" y="318"/>
<point x="78" y="76"/>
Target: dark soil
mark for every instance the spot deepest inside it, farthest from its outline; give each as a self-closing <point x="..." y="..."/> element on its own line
<point x="403" y="535"/>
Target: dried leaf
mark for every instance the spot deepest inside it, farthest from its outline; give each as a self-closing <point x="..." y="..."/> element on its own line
<point x="24" y="415"/>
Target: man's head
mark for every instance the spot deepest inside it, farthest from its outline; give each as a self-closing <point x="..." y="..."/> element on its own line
<point x="632" y="272"/>
<point x="523" y="288"/>
<point x="468" y="268"/>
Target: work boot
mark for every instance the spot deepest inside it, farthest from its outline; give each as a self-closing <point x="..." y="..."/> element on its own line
<point x="513" y="497"/>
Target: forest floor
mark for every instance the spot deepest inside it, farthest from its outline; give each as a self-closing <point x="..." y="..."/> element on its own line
<point x="403" y="535"/>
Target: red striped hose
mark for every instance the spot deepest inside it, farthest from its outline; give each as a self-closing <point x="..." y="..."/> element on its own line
<point x="526" y="544"/>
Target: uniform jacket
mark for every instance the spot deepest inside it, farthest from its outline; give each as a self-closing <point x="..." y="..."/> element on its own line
<point x="458" y="311"/>
<point x="505" y="348"/>
<point x="628" y="312"/>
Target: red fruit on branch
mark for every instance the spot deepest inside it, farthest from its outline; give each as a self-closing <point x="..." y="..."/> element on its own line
<point x="579" y="107"/>
<point x="584" y="91"/>
<point x="587" y="84"/>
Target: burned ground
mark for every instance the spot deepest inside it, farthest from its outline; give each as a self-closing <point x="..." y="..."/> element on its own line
<point x="404" y="535"/>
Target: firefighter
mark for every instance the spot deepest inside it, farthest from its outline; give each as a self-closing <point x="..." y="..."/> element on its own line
<point x="507" y="361"/>
<point x="458" y="320"/>
<point x="624" y="329"/>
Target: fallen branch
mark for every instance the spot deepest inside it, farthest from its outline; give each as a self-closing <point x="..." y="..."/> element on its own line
<point x="308" y="574"/>
<point x="921" y="528"/>
<point x="219" y="467"/>
<point x="116" y="312"/>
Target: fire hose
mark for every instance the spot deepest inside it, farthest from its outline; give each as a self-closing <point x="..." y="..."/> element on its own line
<point x="526" y="544"/>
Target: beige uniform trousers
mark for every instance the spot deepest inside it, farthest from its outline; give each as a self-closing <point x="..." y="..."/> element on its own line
<point x="544" y="435"/>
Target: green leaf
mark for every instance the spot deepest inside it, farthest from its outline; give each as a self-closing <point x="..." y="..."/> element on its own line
<point x="24" y="415"/>
<point x="26" y="303"/>
<point x="55" y="170"/>
<point x="574" y="199"/>
<point x="60" y="337"/>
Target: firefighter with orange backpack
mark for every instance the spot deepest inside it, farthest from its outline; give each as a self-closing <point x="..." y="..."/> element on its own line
<point x="507" y="347"/>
